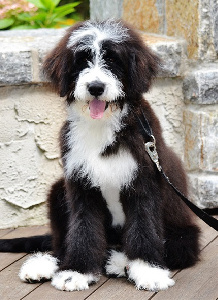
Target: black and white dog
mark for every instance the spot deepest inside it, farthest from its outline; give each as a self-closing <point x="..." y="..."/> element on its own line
<point x="111" y="210"/>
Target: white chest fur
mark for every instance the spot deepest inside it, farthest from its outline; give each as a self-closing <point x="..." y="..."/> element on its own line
<point x="87" y="140"/>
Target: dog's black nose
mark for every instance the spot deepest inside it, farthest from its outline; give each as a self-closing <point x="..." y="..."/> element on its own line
<point x="96" y="88"/>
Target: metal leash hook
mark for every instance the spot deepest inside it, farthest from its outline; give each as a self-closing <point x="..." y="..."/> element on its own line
<point x="150" y="147"/>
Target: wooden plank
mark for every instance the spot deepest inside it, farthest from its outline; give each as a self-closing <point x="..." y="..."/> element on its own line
<point x="11" y="288"/>
<point x="207" y="233"/>
<point x="8" y="258"/>
<point x="3" y="232"/>
<point x="119" y="289"/>
<point x="199" y="282"/>
<point x="47" y="291"/>
<point x="27" y="231"/>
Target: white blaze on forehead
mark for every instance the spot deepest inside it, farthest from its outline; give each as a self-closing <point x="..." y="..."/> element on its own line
<point x="99" y="31"/>
<point x="89" y="37"/>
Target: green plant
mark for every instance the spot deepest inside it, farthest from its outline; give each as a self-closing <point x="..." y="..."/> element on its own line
<point x="47" y="14"/>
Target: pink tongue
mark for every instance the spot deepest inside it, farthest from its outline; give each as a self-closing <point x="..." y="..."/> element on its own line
<point x="97" y="108"/>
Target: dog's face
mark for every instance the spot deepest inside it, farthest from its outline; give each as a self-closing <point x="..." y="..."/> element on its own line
<point x="101" y="66"/>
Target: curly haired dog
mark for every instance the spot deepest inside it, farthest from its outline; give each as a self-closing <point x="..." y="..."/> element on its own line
<point x="111" y="210"/>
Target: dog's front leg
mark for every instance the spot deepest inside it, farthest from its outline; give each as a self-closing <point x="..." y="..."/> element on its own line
<point x="83" y="249"/>
<point x="143" y="243"/>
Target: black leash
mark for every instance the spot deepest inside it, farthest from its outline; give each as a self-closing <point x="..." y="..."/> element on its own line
<point x="150" y="147"/>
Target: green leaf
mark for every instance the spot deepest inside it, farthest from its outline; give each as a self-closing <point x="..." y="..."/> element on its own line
<point x="48" y="4"/>
<point x="62" y="13"/>
<point x="64" y="10"/>
<point x="4" y="23"/>
<point x="41" y="16"/>
<point x="24" y="17"/>
<point x="66" y="6"/>
<point x="37" y="3"/>
<point x="56" y="2"/>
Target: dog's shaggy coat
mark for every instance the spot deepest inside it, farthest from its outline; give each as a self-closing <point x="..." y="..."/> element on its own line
<point x="112" y="194"/>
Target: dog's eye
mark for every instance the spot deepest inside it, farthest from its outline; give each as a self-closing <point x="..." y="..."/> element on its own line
<point x="82" y="57"/>
<point x="110" y="59"/>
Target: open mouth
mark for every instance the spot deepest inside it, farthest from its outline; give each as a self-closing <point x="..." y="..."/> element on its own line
<point x="97" y="108"/>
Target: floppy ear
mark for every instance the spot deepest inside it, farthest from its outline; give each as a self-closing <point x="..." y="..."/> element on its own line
<point x="57" y="67"/>
<point x="143" y="68"/>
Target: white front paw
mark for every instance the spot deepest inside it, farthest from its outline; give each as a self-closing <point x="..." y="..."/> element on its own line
<point x="73" y="281"/>
<point x="149" y="277"/>
<point x="39" y="267"/>
<point x="116" y="264"/>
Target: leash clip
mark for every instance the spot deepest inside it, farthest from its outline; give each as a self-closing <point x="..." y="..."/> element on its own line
<point x="150" y="147"/>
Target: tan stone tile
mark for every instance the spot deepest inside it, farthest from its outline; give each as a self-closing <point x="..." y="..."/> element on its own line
<point x="142" y="14"/>
<point x="183" y="20"/>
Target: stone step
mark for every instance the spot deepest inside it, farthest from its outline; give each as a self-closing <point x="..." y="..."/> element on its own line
<point x="22" y="52"/>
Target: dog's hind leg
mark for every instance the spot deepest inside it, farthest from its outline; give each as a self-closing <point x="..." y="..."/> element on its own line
<point x="181" y="234"/>
<point x="42" y="266"/>
<point x="181" y="246"/>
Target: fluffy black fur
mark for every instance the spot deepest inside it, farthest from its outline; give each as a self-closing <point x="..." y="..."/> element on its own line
<point x="159" y="228"/>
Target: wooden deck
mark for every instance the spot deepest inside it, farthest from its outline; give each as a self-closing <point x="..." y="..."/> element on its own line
<point x="199" y="282"/>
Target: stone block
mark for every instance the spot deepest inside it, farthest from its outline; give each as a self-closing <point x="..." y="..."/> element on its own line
<point x="201" y="86"/>
<point x="172" y="54"/>
<point x="103" y="10"/>
<point x="183" y="21"/>
<point x="195" y="21"/>
<point x="22" y="54"/>
<point x="201" y="142"/>
<point x="206" y="31"/>
<point x="146" y="15"/>
<point x="16" y="67"/>
<point x="204" y="190"/>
